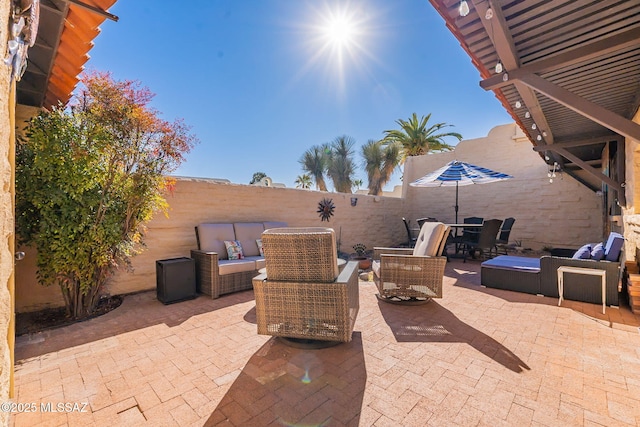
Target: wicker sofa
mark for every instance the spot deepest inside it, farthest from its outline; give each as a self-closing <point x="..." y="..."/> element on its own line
<point x="216" y="274"/>
<point x="540" y="275"/>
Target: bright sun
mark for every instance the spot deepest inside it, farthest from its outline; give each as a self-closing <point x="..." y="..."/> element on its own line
<point x="337" y="37"/>
<point x="340" y="31"/>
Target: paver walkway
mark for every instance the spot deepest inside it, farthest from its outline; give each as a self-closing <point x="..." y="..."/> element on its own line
<point x="477" y="356"/>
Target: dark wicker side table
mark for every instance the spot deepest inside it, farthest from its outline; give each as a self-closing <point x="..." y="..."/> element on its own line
<point x="175" y="279"/>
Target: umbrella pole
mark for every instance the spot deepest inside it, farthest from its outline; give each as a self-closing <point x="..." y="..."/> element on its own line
<point x="456" y="202"/>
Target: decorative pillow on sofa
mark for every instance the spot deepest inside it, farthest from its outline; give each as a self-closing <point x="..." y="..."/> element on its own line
<point x="597" y="252"/>
<point x="234" y="249"/>
<point x="613" y="247"/>
<point x="583" y="253"/>
<point x="259" y="243"/>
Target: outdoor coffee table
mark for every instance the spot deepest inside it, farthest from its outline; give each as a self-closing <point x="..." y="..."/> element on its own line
<point x="581" y="270"/>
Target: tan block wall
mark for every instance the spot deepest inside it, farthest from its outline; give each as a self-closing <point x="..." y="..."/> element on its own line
<point x="6" y="216"/>
<point x="564" y="213"/>
<point x="373" y="221"/>
<point x="559" y="214"/>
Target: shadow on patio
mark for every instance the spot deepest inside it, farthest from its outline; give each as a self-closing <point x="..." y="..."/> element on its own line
<point x="141" y="310"/>
<point x="289" y="386"/>
<point x="434" y="323"/>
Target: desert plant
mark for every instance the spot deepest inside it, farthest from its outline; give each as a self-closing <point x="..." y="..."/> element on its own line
<point x="87" y="179"/>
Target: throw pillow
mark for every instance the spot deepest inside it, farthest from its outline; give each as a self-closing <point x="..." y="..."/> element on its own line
<point x="597" y="252"/>
<point x="234" y="249"/>
<point x="583" y="253"/>
<point x="259" y="243"/>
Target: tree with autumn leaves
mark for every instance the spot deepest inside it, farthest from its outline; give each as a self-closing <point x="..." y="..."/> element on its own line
<point x="88" y="178"/>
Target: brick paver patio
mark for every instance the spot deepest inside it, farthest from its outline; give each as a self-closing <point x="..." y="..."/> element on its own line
<point x="477" y="356"/>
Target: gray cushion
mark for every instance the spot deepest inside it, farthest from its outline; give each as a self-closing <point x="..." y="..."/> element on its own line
<point x="229" y="266"/>
<point x="247" y="233"/>
<point x="212" y="237"/>
<point x="258" y="260"/>
<point x="274" y="224"/>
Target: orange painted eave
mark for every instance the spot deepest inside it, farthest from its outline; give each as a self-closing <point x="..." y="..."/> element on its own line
<point x="80" y="28"/>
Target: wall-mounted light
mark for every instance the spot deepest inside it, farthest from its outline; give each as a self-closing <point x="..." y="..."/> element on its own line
<point x="354" y="201"/>
<point x="552" y="171"/>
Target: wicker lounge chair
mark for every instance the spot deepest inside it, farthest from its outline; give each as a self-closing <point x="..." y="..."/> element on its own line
<point x="303" y="295"/>
<point x="412" y="275"/>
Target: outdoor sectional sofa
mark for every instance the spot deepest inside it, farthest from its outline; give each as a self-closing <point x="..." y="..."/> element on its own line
<point x="540" y="275"/>
<point x="216" y="274"/>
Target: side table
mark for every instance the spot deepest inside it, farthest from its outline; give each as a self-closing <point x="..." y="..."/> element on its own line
<point x="581" y="270"/>
<point x="175" y="279"/>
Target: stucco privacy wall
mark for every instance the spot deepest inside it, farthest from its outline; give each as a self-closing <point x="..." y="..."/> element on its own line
<point x="6" y="216"/>
<point x="562" y="213"/>
<point x="373" y="221"/>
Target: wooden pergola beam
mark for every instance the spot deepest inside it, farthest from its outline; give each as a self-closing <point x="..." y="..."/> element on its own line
<point x="593" y="50"/>
<point x="500" y="36"/>
<point x="581" y="142"/>
<point x="584" y="107"/>
<point x="587" y="168"/>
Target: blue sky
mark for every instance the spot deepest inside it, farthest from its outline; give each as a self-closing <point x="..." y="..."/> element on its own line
<point x="261" y="81"/>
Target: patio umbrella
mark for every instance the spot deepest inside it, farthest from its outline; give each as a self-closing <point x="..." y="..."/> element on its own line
<point x="459" y="173"/>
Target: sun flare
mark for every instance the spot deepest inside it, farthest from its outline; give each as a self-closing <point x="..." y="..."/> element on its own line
<point x="340" y="31"/>
<point x="337" y="38"/>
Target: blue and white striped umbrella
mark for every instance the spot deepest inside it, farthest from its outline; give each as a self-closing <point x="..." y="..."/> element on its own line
<point x="459" y="173"/>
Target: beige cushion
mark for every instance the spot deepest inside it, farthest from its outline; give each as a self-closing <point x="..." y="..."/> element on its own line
<point x="429" y="239"/>
<point x="247" y="233"/>
<point x="259" y="261"/>
<point x="212" y="237"/>
<point x="229" y="266"/>
<point x="443" y="241"/>
<point x="375" y="266"/>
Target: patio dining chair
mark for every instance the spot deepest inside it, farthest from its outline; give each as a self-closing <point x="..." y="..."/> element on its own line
<point x="412" y="276"/>
<point x="303" y="295"/>
<point x="411" y="241"/>
<point x="469" y="234"/>
<point x="486" y="239"/>
<point x="502" y="242"/>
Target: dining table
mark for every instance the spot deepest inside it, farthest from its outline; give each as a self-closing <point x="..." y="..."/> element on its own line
<point x="458" y="226"/>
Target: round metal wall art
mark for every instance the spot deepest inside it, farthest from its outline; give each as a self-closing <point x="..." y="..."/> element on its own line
<point x="325" y="209"/>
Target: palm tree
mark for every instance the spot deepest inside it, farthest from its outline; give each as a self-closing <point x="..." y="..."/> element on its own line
<point x="417" y="139"/>
<point x="303" y="181"/>
<point x="380" y="161"/>
<point x="340" y="165"/>
<point x="314" y="162"/>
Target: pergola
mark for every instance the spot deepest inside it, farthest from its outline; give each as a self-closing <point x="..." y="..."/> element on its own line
<point x="569" y="75"/>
